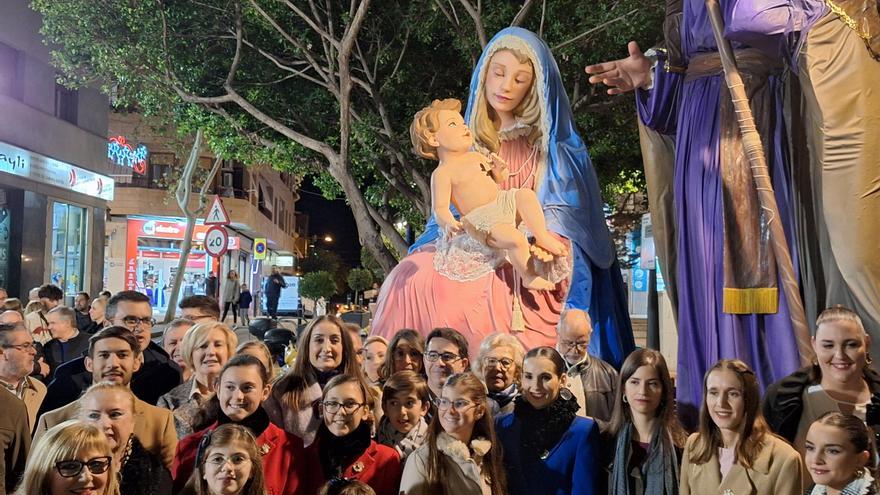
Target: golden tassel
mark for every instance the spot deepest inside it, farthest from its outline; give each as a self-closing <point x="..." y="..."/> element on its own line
<point x="517" y="321"/>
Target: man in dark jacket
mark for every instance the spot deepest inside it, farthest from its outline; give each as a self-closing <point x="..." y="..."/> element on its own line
<point x="211" y="286"/>
<point x="274" y="284"/>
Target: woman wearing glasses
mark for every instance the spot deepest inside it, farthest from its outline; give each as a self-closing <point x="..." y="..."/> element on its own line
<point x="499" y="365"/>
<point x="110" y="407"/>
<point x="324" y="351"/>
<point x="344" y="447"/>
<point x="229" y="464"/>
<point x="548" y="448"/>
<point x="73" y="458"/>
<point x="242" y="386"/>
<point x="205" y="347"/>
<point x="461" y="454"/>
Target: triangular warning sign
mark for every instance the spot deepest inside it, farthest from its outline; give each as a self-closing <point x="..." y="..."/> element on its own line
<point x="217" y="214"/>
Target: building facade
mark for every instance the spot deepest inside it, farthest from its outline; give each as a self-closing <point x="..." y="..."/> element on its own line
<point x="147" y="229"/>
<point x="54" y="177"/>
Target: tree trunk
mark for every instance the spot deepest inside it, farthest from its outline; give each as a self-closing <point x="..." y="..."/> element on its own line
<point x="368" y="231"/>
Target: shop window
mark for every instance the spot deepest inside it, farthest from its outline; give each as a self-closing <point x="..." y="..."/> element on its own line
<point x="68" y="247"/>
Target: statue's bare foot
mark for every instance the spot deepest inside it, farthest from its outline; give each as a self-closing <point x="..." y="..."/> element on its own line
<point x="534" y="282"/>
<point x="551" y="244"/>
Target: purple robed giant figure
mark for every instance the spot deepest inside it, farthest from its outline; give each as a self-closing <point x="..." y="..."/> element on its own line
<point x="686" y="98"/>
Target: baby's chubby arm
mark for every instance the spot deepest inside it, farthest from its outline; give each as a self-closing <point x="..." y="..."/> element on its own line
<point x="441" y="192"/>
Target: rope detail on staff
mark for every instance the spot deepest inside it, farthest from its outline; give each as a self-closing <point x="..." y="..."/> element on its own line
<point x="754" y="150"/>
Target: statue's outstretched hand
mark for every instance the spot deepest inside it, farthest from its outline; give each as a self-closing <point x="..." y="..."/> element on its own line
<point x="623" y="75"/>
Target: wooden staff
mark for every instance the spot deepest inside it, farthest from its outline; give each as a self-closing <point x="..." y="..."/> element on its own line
<point x="751" y="141"/>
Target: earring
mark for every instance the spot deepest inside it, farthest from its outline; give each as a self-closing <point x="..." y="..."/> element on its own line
<point x="868" y="359"/>
<point x="565" y="393"/>
<point x="624" y="399"/>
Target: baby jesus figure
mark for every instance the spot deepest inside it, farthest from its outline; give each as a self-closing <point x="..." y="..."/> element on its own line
<point x="470" y="180"/>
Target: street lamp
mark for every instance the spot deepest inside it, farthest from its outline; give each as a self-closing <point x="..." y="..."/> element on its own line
<point x="328" y="238"/>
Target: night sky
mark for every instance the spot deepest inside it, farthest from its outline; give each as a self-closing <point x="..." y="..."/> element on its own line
<point x="333" y="218"/>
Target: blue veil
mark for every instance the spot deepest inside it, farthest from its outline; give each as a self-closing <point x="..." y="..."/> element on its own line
<point x="568" y="189"/>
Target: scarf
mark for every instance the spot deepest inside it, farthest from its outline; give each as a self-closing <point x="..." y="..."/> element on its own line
<point x="325" y="376"/>
<point x="337" y="453"/>
<point x="256" y="422"/>
<point x="660" y="471"/>
<point x="506" y="396"/>
<point x="405" y="444"/>
<point x="543" y="428"/>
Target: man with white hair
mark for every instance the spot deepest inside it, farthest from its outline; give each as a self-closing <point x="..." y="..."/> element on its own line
<point x="17" y="353"/>
<point x="67" y="341"/>
<point x="591" y="380"/>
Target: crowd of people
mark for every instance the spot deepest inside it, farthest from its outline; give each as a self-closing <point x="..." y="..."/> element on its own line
<point x="197" y="413"/>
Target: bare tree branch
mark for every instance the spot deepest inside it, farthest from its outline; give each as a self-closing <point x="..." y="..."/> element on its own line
<point x="239" y="34"/>
<point x="345" y="81"/>
<point x="523" y="13"/>
<point x="478" y="22"/>
<point x="312" y="24"/>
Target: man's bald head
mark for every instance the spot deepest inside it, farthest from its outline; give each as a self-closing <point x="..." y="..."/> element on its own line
<point x="11" y="317"/>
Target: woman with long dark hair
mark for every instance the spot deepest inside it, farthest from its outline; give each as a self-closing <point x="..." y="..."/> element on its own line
<point x="325" y="351"/>
<point x="647" y="437"/>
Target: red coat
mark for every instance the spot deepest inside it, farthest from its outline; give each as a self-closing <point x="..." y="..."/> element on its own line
<point x="378" y="466"/>
<point x="283" y="465"/>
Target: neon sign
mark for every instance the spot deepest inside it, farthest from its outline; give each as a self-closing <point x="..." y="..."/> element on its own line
<point x="127" y="155"/>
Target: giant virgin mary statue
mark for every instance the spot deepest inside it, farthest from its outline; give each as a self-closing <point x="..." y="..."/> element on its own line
<point x="459" y="284"/>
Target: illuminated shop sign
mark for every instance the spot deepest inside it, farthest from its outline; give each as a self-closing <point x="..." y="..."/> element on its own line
<point x="41" y="168"/>
<point x="123" y="154"/>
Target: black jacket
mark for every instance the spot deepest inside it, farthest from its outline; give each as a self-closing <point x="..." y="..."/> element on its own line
<point x="274" y="284"/>
<point x="144" y="473"/>
<point x="783" y="401"/>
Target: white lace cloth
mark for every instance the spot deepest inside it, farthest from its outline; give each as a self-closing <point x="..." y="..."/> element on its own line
<point x="463" y="259"/>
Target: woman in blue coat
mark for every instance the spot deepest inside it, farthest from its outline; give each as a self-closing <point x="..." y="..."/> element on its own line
<point x="548" y="449"/>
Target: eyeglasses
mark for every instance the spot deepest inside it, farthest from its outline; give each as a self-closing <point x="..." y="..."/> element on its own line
<point x="26" y="347"/>
<point x="220" y="460"/>
<point x="71" y="468"/>
<point x="504" y="363"/>
<point x="131" y="322"/>
<point x="332" y="407"/>
<point x="579" y="346"/>
<point x="459" y="405"/>
<point x="446" y="357"/>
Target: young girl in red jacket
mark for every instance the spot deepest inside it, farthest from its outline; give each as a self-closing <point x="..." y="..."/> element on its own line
<point x="344" y="447"/>
<point x="242" y="386"/>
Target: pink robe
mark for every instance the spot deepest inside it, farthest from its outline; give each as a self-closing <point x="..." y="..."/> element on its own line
<point x="415" y="296"/>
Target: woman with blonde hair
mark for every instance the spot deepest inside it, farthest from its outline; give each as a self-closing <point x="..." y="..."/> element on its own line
<point x="205" y="347"/>
<point x="325" y="350"/>
<point x="71" y="457"/>
<point x="499" y="365"/>
<point x="840" y="379"/>
<point x="734" y="450"/>
<point x="110" y="406"/>
<point x="259" y="350"/>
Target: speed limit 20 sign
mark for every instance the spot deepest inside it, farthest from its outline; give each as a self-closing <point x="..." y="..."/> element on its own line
<point x="216" y="241"/>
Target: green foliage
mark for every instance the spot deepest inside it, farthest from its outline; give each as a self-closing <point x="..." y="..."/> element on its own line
<point x="370" y="263"/>
<point x="414" y="51"/>
<point x="317" y="284"/>
<point x="360" y="279"/>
